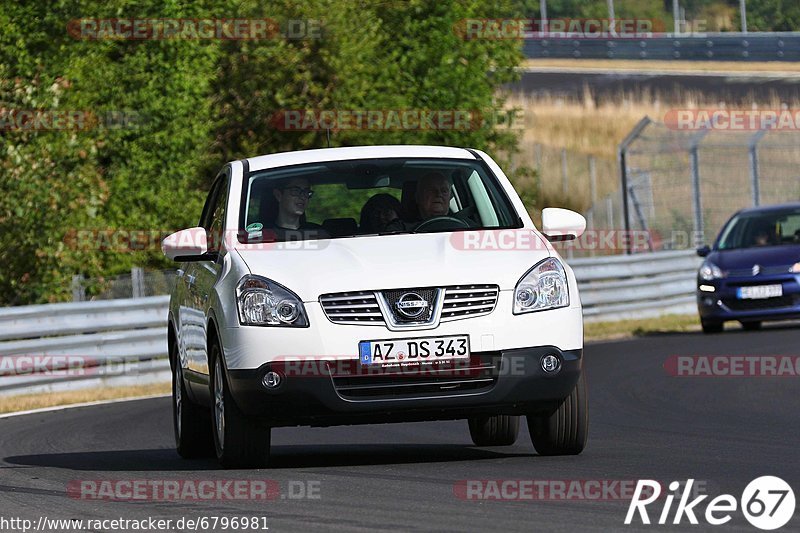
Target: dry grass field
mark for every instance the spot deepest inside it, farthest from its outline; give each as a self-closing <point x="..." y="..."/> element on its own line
<point x="585" y="128"/>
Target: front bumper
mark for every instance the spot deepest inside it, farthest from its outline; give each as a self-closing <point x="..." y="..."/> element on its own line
<point x="723" y="303"/>
<point x="502" y="382"/>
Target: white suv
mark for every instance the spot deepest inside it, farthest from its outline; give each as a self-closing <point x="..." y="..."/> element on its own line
<point x="373" y="284"/>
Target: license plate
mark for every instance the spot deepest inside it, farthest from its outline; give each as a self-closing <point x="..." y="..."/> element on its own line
<point x="412" y="351"/>
<point x="759" y="292"/>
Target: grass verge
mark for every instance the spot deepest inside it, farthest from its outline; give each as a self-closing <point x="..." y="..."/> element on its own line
<point x="25" y="402"/>
<point x="621" y="329"/>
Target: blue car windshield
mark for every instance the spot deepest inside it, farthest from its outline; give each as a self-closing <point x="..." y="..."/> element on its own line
<point x="764" y="228"/>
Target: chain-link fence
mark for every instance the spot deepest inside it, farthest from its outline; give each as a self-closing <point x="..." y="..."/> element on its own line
<point x="574" y="180"/>
<point x="683" y="185"/>
<point x="137" y="284"/>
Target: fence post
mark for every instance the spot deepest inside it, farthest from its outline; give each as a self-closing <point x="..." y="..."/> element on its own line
<point x="755" y="184"/>
<point x="538" y="155"/>
<point x="697" y="203"/>
<point x="622" y="156"/>
<point x="78" y="294"/>
<point x="137" y="282"/>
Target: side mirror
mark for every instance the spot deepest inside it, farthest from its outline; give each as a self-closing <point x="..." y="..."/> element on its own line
<point x="703" y="250"/>
<point x="562" y="224"/>
<point x="186" y="245"/>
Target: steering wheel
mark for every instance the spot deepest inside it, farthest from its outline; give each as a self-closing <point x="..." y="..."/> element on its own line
<point x="441" y="223"/>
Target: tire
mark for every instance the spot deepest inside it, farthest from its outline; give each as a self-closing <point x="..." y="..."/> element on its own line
<point x="239" y="441"/>
<point x="711" y="326"/>
<point x="497" y="430"/>
<point x="565" y="431"/>
<point x="751" y="326"/>
<point x="190" y="421"/>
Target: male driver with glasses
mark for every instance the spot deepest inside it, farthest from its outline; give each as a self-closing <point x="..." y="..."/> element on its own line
<point x="290" y="223"/>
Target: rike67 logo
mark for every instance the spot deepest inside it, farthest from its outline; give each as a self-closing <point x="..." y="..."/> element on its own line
<point x="767" y="503"/>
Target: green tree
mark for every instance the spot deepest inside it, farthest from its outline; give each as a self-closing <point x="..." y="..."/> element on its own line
<point x="199" y="103"/>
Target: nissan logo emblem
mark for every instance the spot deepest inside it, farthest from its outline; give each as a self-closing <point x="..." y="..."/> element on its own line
<point x="411" y="305"/>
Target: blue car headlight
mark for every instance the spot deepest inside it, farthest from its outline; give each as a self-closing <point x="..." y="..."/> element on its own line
<point x="709" y="272"/>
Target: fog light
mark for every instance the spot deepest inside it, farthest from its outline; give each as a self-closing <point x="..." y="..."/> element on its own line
<point x="551" y="363"/>
<point x="272" y="380"/>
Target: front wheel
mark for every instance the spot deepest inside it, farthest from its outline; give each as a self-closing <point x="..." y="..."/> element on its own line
<point x="710" y="326"/>
<point x="497" y="430"/>
<point x="564" y="432"/>
<point x="240" y="441"/>
<point x="190" y="421"/>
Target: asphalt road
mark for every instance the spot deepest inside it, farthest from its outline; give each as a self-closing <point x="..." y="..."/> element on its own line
<point x="666" y="87"/>
<point x="644" y="424"/>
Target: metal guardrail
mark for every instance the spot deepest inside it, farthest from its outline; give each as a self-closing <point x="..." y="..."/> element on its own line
<point x="124" y="342"/>
<point x="766" y="46"/>
<point x="83" y="344"/>
<point x="637" y="286"/>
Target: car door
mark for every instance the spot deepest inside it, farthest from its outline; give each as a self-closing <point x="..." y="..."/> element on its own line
<point x="192" y="336"/>
<point x="206" y="273"/>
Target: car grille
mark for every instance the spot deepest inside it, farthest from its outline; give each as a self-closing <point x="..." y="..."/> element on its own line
<point x="361" y="307"/>
<point x="479" y="377"/>
<point x="428" y="295"/>
<point x="764" y="271"/>
<point x="755" y="305"/>
<point x="352" y="308"/>
<point x="462" y="301"/>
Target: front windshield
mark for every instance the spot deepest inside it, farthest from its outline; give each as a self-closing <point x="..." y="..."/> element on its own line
<point x="767" y="228"/>
<point x="372" y="197"/>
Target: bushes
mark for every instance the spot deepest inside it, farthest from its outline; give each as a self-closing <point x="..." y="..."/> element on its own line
<point x="200" y="103"/>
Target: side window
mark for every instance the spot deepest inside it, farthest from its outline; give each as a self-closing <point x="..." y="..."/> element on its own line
<point x="483" y="202"/>
<point x="213" y="217"/>
<point x="217" y="222"/>
<point x="210" y="205"/>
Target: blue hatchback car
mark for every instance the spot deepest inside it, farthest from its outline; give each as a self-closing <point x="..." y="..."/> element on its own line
<point x="752" y="273"/>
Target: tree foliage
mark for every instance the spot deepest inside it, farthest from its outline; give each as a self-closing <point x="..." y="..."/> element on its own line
<point x="196" y="104"/>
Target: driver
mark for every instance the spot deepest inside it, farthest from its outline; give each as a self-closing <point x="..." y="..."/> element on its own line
<point x="290" y="222"/>
<point x="433" y="196"/>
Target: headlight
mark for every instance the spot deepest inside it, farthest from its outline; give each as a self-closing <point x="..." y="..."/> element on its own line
<point x="796" y="268"/>
<point x="543" y="287"/>
<point x="709" y="271"/>
<point x="262" y="302"/>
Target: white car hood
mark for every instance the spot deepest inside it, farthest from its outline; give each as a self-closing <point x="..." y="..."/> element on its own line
<point x="393" y="261"/>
